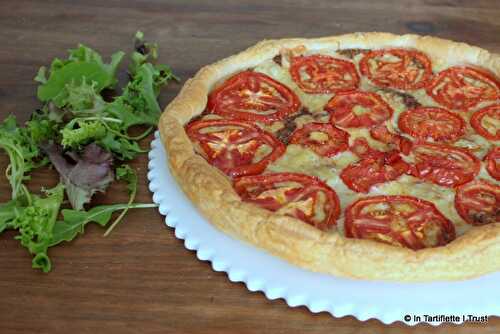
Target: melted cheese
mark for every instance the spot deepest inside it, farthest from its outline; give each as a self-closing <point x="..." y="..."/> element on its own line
<point x="355" y="133"/>
<point x="474" y="143"/>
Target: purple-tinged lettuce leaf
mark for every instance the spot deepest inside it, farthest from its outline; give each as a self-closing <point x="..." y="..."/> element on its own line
<point x="90" y="173"/>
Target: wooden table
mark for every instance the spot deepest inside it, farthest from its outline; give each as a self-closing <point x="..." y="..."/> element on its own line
<point x="141" y="279"/>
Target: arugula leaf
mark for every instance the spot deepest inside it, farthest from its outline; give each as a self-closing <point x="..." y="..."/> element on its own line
<point x="147" y="52"/>
<point x="35" y="224"/>
<point x="118" y="109"/>
<point x="91" y="173"/>
<point x="138" y="104"/>
<point x="139" y="98"/>
<point x="143" y="53"/>
<point x="74" y="221"/>
<point x="141" y="93"/>
<point x="127" y="174"/>
<point x="122" y="147"/>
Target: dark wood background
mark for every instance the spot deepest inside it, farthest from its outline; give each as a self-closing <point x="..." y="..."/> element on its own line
<point x="141" y="279"/>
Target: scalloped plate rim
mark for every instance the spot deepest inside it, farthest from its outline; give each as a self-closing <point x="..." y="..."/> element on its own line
<point x="361" y="304"/>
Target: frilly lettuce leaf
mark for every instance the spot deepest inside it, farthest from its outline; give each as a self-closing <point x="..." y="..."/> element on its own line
<point x="24" y="154"/>
<point x="35" y="223"/>
<point x="90" y="173"/>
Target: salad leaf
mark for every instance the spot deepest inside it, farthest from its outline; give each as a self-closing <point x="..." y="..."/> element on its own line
<point x="139" y="99"/>
<point x="140" y="93"/>
<point x="127" y="174"/>
<point x="22" y="151"/>
<point x="82" y="99"/>
<point x="41" y="75"/>
<point x="76" y="134"/>
<point x="143" y="53"/>
<point x="8" y="212"/>
<point x="85" y="54"/>
<point x="138" y="103"/>
<point x="74" y="221"/>
<point x="82" y="64"/>
<point x="128" y="117"/>
<point x="91" y="173"/>
<point x="54" y="88"/>
<point x="41" y="129"/>
<point x="35" y="224"/>
<point x="121" y="146"/>
<point x="80" y="133"/>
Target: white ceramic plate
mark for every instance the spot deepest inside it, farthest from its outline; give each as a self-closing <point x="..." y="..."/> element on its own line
<point x="260" y="271"/>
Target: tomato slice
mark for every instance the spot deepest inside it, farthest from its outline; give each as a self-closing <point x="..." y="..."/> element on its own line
<point x="374" y="167"/>
<point x="397" y="68"/>
<point x="432" y="123"/>
<point x="478" y="202"/>
<point x="304" y="197"/>
<point x="364" y="174"/>
<point x="358" y="109"/>
<point x="318" y="74"/>
<point x="492" y="160"/>
<point x="324" y="139"/>
<point x="382" y="134"/>
<point x="461" y="87"/>
<point x="403" y="221"/>
<point x="235" y="147"/>
<point x="444" y="165"/>
<point x="486" y="122"/>
<point x="253" y="96"/>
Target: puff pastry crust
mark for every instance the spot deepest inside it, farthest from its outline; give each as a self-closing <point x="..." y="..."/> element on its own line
<point x="475" y="253"/>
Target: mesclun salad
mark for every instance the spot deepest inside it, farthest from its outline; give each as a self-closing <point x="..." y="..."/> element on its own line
<point x="86" y="138"/>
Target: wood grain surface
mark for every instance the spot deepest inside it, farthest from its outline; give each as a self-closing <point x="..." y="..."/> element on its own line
<point x="141" y="279"/>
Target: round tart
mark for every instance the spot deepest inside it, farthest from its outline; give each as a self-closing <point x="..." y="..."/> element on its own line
<point x="367" y="155"/>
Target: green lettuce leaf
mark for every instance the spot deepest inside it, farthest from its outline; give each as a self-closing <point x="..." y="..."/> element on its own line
<point x="35" y="223"/>
<point x="85" y="54"/>
<point x="73" y="73"/>
<point x="8" y="213"/>
<point x="24" y="154"/>
<point x="82" y="64"/>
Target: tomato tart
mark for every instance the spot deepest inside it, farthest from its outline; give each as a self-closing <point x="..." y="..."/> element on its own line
<point x="367" y="155"/>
